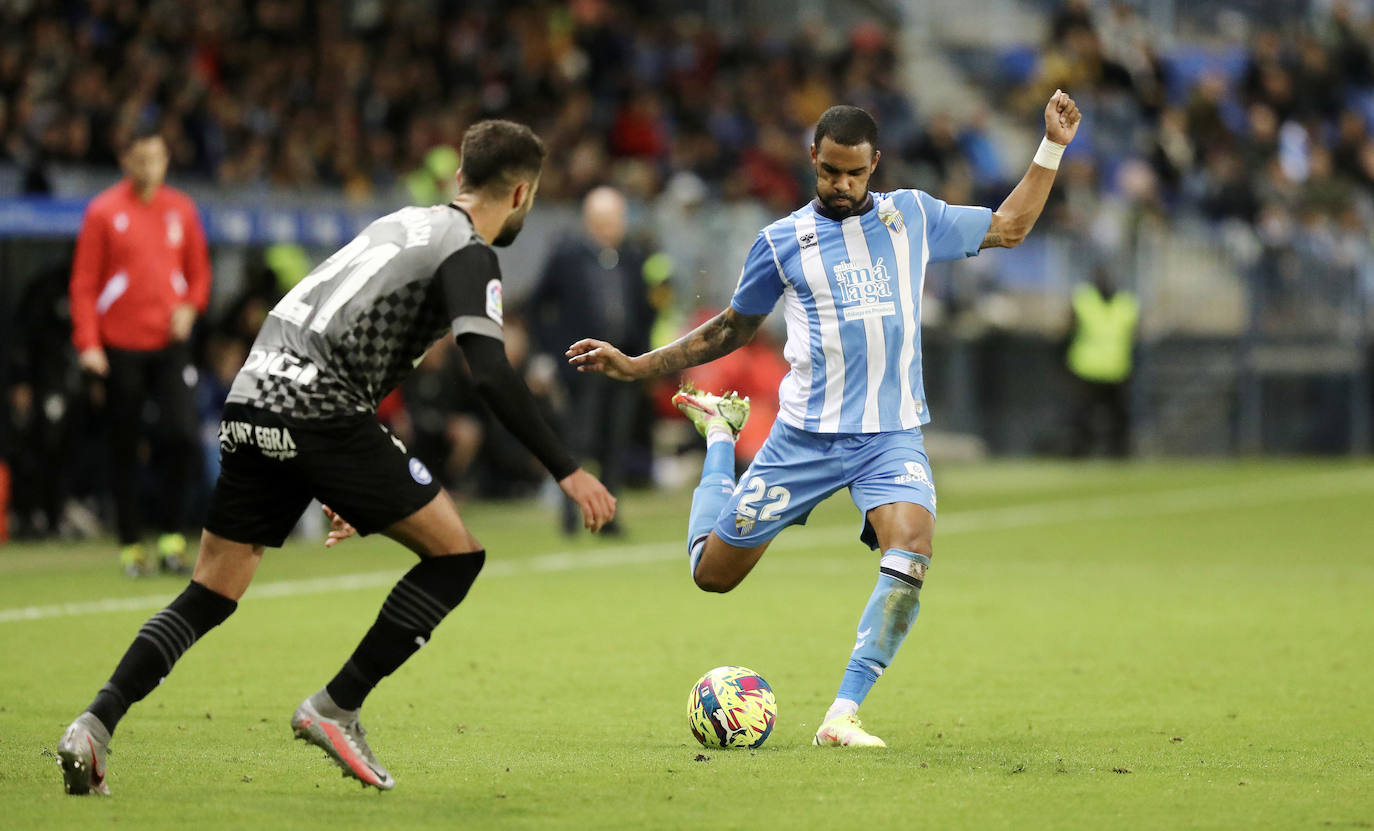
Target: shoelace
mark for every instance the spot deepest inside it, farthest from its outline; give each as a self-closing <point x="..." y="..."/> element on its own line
<point x="356" y="733"/>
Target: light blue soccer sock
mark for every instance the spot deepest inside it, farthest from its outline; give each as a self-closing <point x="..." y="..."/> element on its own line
<point x="889" y="615"/>
<point x="717" y="483"/>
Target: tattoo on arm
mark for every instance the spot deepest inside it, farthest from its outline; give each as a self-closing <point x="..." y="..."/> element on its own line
<point x="713" y="339"/>
<point x="994" y="237"/>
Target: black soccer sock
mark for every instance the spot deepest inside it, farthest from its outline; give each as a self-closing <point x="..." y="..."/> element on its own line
<point x="417" y="604"/>
<point x="158" y="645"/>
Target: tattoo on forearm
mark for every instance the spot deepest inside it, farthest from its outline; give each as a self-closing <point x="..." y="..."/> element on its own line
<point x="992" y="240"/>
<point x="713" y="339"/>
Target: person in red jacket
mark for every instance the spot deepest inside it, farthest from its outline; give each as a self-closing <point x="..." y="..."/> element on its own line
<point x="140" y="279"/>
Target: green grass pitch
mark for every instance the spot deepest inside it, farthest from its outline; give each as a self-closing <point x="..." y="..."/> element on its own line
<point x="1100" y="646"/>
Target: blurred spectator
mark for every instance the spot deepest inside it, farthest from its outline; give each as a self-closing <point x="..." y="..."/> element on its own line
<point x="593" y="286"/>
<point x="638" y="130"/>
<point x="44" y="397"/>
<point x="984" y="159"/>
<point x="1104" y="325"/>
<point x="1317" y="87"/>
<point x="668" y="324"/>
<point x="245" y="312"/>
<point x="1074" y="59"/>
<point x="1228" y="192"/>
<point x="1070" y="16"/>
<point x="433" y="183"/>
<point x="1206" y="117"/>
<point x="937" y="151"/>
<point x="140" y="279"/>
<point x="1172" y="152"/>
<point x="769" y="171"/>
<point x="507" y="469"/>
<point x="1353" y="153"/>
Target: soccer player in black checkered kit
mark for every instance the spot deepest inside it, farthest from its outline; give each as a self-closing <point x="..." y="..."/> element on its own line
<point x="301" y="423"/>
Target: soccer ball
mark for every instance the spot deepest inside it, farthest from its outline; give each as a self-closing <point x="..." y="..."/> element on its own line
<point x="731" y="707"/>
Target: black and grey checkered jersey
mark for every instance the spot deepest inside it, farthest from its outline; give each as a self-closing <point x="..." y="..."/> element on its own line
<point x="355" y="327"/>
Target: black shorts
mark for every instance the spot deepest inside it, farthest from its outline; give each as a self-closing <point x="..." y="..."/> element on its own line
<point x="271" y="466"/>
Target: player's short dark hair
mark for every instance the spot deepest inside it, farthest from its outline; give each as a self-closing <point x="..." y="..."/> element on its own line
<point x="499" y="153"/>
<point x="850" y="126"/>
<point x="142" y="132"/>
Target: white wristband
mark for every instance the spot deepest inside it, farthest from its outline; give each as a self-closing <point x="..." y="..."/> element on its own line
<point x="1049" y="154"/>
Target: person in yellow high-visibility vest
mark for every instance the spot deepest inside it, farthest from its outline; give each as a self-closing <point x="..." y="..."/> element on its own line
<point x="1099" y="357"/>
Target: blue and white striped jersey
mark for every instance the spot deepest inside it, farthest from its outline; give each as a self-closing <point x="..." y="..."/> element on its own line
<point x="851" y="293"/>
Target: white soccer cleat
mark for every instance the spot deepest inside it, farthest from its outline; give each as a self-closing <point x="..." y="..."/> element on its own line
<point x="845" y="730"/>
<point x="337" y="732"/>
<point x="704" y="409"/>
<point x="81" y="756"/>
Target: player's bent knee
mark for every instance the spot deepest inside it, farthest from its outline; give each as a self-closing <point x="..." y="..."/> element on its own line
<point x="226" y="567"/>
<point x="712" y="574"/>
<point x="435" y="530"/>
<point x="723" y="566"/>
<point x="714" y="580"/>
<point x="475" y="559"/>
<point x="916" y="536"/>
<point x="910" y="530"/>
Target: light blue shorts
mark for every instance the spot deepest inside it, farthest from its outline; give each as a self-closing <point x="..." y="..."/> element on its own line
<point x="795" y="470"/>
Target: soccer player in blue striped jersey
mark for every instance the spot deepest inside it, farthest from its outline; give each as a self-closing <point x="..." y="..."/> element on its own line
<point x="849" y="268"/>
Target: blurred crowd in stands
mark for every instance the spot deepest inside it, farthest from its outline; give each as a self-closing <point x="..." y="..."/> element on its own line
<point x="1263" y="132"/>
<point x="1266" y="136"/>
<point x="354" y="95"/>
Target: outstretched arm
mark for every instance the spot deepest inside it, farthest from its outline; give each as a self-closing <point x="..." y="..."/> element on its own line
<point x="1017" y="214"/>
<point x="470" y="280"/>
<point x="506" y="395"/>
<point x="713" y="339"/>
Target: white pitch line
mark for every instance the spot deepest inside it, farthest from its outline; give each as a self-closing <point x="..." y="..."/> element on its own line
<point x="1179" y="501"/>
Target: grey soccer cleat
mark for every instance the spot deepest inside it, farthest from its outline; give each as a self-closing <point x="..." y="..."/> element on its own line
<point x="337" y="732"/>
<point x="81" y="756"/>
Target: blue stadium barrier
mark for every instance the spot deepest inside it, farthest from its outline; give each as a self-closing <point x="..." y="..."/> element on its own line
<point x="41" y="217"/>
